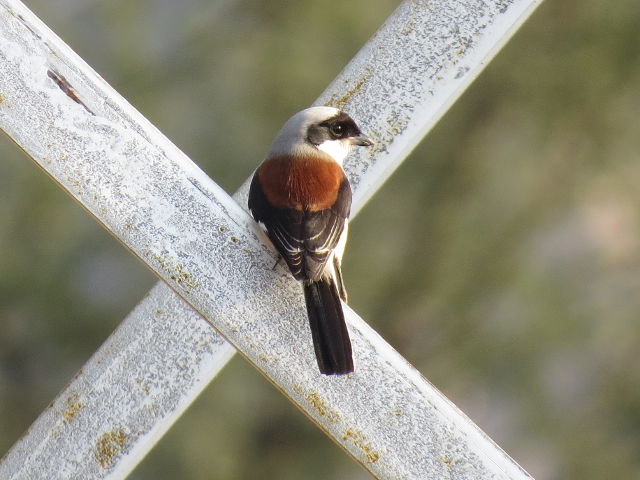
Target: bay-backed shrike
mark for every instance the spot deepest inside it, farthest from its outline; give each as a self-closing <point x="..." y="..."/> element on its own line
<point x="302" y="197"/>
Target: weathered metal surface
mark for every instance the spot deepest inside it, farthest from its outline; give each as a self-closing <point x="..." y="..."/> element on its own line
<point x="202" y="243"/>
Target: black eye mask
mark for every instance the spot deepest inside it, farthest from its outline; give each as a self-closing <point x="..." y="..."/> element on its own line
<point x="336" y="128"/>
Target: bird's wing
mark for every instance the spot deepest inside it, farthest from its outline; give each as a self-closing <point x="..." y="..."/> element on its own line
<point x="304" y="238"/>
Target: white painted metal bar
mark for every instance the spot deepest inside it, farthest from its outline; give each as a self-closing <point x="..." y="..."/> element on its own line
<point x="198" y="240"/>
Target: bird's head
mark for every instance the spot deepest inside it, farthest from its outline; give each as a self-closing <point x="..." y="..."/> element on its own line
<point x="319" y="128"/>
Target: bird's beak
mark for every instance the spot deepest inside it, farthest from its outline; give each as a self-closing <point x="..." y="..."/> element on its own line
<point x="361" y="141"/>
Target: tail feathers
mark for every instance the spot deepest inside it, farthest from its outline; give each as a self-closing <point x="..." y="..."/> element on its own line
<point x="328" y="328"/>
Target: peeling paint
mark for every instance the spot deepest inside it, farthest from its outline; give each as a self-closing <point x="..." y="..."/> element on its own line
<point x="63" y="85"/>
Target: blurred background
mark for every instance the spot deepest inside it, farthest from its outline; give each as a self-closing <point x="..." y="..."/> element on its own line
<point x="508" y="274"/>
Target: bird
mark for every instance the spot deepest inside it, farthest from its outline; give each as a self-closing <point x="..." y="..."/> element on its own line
<point x="301" y="196"/>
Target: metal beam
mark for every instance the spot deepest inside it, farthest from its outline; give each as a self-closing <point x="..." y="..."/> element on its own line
<point x="199" y="241"/>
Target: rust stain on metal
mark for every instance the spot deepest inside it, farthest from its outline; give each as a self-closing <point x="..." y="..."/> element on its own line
<point x="360" y="441"/>
<point x="109" y="446"/>
<point x="143" y="386"/>
<point x="64" y="85"/>
<point x="176" y="272"/>
<point x="449" y="462"/>
<point x="74" y="405"/>
<point x="322" y="408"/>
<point x="183" y="278"/>
<point x="340" y="101"/>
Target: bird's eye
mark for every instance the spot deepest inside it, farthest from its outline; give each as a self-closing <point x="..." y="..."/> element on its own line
<point x="336" y="130"/>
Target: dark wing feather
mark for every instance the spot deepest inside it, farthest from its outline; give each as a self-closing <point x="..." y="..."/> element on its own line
<point x="304" y="238"/>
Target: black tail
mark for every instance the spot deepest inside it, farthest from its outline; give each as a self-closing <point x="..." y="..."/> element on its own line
<point x="329" y="331"/>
